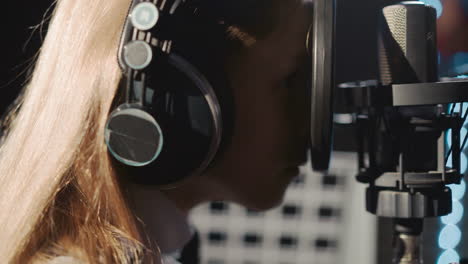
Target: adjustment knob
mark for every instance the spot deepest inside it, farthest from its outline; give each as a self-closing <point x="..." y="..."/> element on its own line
<point x="144" y="16"/>
<point x="138" y="54"/>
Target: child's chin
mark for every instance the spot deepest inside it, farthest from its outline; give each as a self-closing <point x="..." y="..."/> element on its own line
<point x="266" y="200"/>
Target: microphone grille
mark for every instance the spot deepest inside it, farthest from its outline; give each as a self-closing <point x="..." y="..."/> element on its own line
<point x="396" y="17"/>
<point x="407" y="43"/>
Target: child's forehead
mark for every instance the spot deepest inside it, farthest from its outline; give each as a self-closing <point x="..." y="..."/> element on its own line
<point x="257" y="17"/>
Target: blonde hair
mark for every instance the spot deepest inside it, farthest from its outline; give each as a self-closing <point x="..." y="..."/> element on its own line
<point x="57" y="183"/>
<point x="59" y="191"/>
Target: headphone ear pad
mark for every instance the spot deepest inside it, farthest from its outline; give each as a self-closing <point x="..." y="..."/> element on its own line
<point x="187" y="111"/>
<point x="133" y="136"/>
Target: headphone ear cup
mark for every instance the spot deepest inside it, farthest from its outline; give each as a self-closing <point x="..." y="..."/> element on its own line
<point x="188" y="112"/>
<point x="133" y="136"/>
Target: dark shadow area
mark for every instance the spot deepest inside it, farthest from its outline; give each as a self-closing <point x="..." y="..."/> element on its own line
<point x="16" y="26"/>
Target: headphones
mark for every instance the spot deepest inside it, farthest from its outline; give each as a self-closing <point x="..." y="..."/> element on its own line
<point x="170" y="124"/>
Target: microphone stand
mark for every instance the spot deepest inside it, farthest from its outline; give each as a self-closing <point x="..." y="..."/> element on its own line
<point x="402" y="120"/>
<point x="402" y="154"/>
<point x="402" y="123"/>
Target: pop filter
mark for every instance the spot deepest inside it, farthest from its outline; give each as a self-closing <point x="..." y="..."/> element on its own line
<point x="321" y="48"/>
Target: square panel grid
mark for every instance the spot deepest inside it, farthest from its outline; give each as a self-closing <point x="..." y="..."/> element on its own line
<point x="307" y="228"/>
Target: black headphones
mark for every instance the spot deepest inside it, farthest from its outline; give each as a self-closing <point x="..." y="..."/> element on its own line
<point x="170" y="125"/>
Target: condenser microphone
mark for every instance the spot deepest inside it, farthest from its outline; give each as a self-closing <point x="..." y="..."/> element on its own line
<point x="408" y="44"/>
<point x="402" y="123"/>
<point x="408" y="55"/>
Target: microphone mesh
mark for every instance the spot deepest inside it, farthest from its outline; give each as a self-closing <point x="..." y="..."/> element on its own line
<point x="407" y="44"/>
<point x="394" y="27"/>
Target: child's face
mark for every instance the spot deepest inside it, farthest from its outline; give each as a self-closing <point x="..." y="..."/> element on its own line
<point x="272" y="116"/>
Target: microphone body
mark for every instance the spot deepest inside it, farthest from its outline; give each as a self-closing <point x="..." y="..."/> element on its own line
<point x="401" y="150"/>
<point x="408" y="44"/>
<point x="408" y="54"/>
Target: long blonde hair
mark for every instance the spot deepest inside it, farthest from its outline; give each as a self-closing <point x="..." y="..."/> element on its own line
<point x="56" y="179"/>
<point x="59" y="194"/>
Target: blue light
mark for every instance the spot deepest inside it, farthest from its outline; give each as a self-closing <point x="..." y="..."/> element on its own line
<point x="455" y="216"/>
<point x="449" y="162"/>
<point x="463" y="163"/>
<point x="436" y="4"/>
<point x="460" y="60"/>
<point x="458" y="190"/>
<point x="463" y="133"/>
<point x="457" y="106"/>
<point x="449" y="237"/>
<point x="449" y="256"/>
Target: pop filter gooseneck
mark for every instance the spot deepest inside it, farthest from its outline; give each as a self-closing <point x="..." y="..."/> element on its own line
<point x="321" y="48"/>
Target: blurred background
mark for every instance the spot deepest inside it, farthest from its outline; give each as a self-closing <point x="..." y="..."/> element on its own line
<point x="323" y="220"/>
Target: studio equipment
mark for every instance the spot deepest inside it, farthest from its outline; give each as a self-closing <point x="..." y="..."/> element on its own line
<point x="402" y="120"/>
